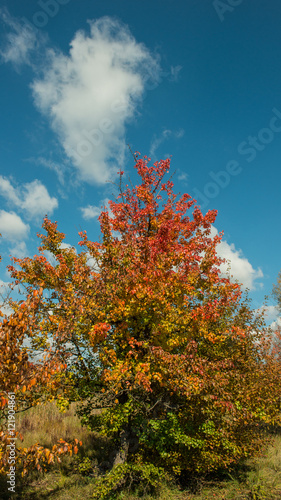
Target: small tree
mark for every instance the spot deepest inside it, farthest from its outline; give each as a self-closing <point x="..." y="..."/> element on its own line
<point x="26" y="384"/>
<point x="154" y="336"/>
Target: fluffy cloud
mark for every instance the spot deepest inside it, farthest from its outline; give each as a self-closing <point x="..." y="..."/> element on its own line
<point x="91" y="93"/>
<point x="33" y="197"/>
<point x="20" y="42"/>
<point x="90" y="212"/>
<point x="12" y="227"/>
<point x="36" y="200"/>
<point x="19" y="250"/>
<point x="239" y="267"/>
<point x="8" y="191"/>
<point x="93" y="211"/>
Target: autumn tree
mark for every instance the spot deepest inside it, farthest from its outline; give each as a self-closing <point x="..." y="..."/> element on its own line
<point x="153" y="335"/>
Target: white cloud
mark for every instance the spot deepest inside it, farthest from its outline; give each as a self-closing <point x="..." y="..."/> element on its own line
<point x="240" y="268"/>
<point x="67" y="246"/>
<point x="91" y="93"/>
<point x="92" y="263"/>
<point x="6" y="310"/>
<point x="4" y="286"/>
<point x="19" y="250"/>
<point x="8" y="191"/>
<point x="271" y="312"/>
<point x="50" y="258"/>
<point x="36" y="199"/>
<point x="276" y="325"/>
<point x="12" y="227"/>
<point x="33" y="197"/>
<point x="90" y="212"/>
<point x="20" y="42"/>
<point x="272" y="316"/>
<point x="93" y="211"/>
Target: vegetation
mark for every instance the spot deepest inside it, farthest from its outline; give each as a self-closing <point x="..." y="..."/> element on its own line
<point x="75" y="476"/>
<point x="162" y="355"/>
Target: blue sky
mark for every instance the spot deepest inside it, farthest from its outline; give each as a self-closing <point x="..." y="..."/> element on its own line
<point x="199" y="81"/>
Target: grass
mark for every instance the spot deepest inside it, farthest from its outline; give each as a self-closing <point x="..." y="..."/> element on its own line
<point x="256" y="480"/>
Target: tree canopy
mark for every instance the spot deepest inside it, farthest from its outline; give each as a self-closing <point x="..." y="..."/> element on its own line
<point x="143" y="327"/>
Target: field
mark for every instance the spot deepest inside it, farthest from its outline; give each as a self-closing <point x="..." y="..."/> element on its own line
<point x="74" y="477"/>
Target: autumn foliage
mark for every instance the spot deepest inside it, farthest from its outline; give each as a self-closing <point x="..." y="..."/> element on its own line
<point x="31" y="383"/>
<point x="151" y="333"/>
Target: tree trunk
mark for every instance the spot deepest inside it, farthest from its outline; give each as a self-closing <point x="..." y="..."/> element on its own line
<point x="122" y="453"/>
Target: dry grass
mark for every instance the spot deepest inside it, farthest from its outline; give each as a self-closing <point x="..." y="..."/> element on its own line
<point x="46" y="424"/>
<point x="260" y="480"/>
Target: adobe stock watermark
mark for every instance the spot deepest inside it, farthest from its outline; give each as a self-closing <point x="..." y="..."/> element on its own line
<point x="11" y="481"/>
<point x="47" y="9"/>
<point x="224" y="7"/>
<point x="248" y="148"/>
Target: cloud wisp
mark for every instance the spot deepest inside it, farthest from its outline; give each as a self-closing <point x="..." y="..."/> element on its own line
<point x="20" y="42"/>
<point x="159" y="139"/>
